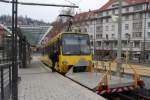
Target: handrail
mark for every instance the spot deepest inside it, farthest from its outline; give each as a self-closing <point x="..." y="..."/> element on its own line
<point x="105" y="78"/>
<point x="106" y="81"/>
<point x="5" y="65"/>
<point x="136" y="75"/>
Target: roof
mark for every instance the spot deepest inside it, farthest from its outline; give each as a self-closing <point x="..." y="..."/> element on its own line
<point x="84" y="15"/>
<point x="130" y="2"/>
<point x="1" y="27"/>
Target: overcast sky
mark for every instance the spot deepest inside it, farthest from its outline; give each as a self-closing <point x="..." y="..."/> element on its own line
<point x="49" y="14"/>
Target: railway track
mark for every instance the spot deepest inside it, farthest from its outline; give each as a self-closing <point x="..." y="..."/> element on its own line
<point x="141" y="94"/>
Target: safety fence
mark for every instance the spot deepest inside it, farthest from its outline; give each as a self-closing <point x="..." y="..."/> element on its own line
<point x="6" y="80"/>
<point x="9" y="63"/>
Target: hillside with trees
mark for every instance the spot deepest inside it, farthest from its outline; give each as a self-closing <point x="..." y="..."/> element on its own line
<point x="6" y="20"/>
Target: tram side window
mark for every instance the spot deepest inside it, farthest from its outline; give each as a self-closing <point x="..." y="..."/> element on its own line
<point x="51" y="50"/>
<point x="59" y="45"/>
<point x="56" y="46"/>
<point x="46" y="50"/>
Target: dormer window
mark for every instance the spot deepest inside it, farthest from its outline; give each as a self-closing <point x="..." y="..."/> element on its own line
<point x="138" y="7"/>
<point x="101" y="14"/>
<point x="149" y="14"/>
<point x="115" y="5"/>
<point x="113" y="11"/>
<point x="107" y="13"/>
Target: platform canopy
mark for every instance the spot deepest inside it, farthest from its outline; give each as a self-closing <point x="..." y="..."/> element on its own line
<point x="34" y="33"/>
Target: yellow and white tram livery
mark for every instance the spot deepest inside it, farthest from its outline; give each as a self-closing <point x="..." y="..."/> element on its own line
<point x="69" y="50"/>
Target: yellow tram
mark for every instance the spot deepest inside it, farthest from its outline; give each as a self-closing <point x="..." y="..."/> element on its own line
<point x="69" y="50"/>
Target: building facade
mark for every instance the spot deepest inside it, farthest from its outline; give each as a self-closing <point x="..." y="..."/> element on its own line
<point x="103" y="30"/>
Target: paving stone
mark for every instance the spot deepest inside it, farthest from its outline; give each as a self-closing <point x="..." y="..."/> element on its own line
<point x="38" y="83"/>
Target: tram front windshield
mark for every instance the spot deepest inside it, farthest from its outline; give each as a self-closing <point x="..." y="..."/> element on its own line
<point x="75" y="44"/>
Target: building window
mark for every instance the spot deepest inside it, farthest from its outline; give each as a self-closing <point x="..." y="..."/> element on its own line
<point x="91" y="30"/>
<point x="136" y="44"/>
<point x="134" y="16"/>
<point x="138" y="7"/>
<point x="124" y="44"/>
<point x="137" y="34"/>
<point x="137" y="16"/>
<point x="148" y="25"/>
<point x="113" y="35"/>
<point x="97" y="29"/>
<point x="149" y="14"/>
<point x="98" y="43"/>
<point x="106" y="28"/>
<point x="98" y="36"/>
<point x="101" y="14"/>
<point x="107" y="44"/>
<point x="137" y="26"/>
<point x="113" y="27"/>
<point x="98" y="21"/>
<point x="113" y="12"/>
<point x="148" y="34"/>
<point x="115" y="5"/>
<point x="127" y="9"/>
<point x="127" y="17"/>
<point x="85" y="30"/>
<point x="127" y="35"/>
<point x="107" y="13"/>
<point x="79" y="30"/>
<point x="107" y="36"/>
<point x="107" y="20"/>
<point x="92" y="43"/>
<point x="126" y="26"/>
<point x="91" y="37"/>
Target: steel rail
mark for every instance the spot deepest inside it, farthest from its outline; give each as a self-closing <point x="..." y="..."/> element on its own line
<point x="40" y="4"/>
<point x="134" y="96"/>
<point x="125" y="97"/>
<point x="143" y="97"/>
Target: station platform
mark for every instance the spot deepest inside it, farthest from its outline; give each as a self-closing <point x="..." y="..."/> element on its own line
<point x="142" y="69"/>
<point x="39" y="83"/>
<point x="91" y="80"/>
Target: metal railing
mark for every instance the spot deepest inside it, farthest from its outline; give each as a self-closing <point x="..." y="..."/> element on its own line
<point x="105" y="80"/>
<point x="6" y="80"/>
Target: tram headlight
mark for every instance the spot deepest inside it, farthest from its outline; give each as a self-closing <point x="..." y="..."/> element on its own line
<point x="64" y="62"/>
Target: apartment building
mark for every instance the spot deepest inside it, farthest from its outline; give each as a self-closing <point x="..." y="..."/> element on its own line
<point x="103" y="30"/>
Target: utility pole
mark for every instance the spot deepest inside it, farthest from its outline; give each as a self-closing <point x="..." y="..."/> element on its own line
<point x="119" y="63"/>
<point x="14" y="51"/>
<point x="144" y="40"/>
<point x="94" y="41"/>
